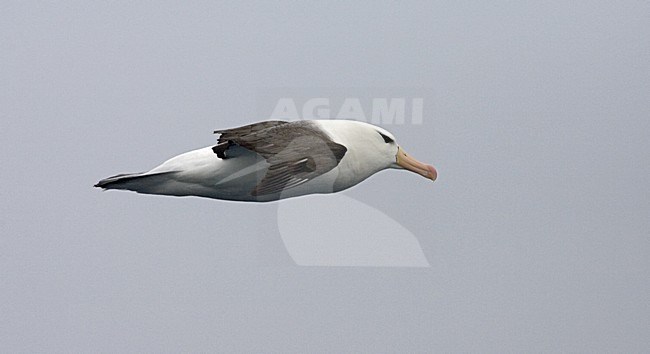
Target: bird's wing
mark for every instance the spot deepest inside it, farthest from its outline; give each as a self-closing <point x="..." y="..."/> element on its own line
<point x="296" y="151"/>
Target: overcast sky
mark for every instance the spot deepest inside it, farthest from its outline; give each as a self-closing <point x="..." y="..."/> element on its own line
<point x="536" y="116"/>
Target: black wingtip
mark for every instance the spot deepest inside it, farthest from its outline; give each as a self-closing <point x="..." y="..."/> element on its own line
<point x="106" y="181"/>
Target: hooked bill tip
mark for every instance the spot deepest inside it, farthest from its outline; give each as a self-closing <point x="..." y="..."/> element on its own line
<point x="433" y="173"/>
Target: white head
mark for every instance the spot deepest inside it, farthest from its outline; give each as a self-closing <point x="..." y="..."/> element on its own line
<point x="374" y="148"/>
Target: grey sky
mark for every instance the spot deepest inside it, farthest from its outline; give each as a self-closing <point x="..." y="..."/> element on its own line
<point x="536" y="117"/>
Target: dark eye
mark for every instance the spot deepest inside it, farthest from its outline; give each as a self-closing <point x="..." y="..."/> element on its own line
<point x="387" y="139"/>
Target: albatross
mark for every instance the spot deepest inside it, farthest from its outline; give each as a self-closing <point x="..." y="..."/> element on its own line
<point x="274" y="160"/>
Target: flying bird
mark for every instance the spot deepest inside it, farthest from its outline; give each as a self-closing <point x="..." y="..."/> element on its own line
<point x="274" y="160"/>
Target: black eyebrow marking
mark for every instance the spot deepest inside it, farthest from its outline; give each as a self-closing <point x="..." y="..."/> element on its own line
<point x="387" y="139"/>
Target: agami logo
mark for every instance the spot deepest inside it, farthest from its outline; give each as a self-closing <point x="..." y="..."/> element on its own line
<point x="380" y="111"/>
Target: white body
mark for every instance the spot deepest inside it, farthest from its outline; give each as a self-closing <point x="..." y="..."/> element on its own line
<point x="202" y="173"/>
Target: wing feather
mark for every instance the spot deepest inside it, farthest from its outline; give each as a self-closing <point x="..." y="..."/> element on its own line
<point x="296" y="151"/>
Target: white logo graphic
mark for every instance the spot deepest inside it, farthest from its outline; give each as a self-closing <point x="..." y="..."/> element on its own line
<point x="336" y="230"/>
<point x="382" y="111"/>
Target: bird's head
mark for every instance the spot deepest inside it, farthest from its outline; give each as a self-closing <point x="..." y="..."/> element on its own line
<point x="373" y="148"/>
<point x="385" y="142"/>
